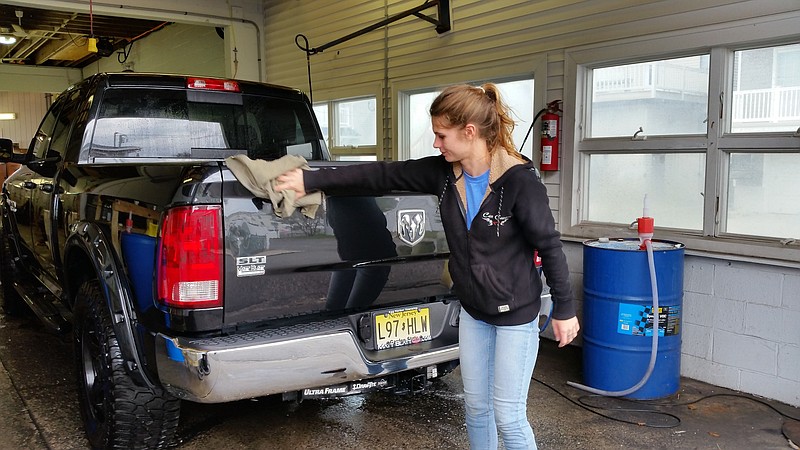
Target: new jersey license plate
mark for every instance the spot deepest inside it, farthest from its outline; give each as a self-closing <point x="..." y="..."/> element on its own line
<point x="402" y="327"/>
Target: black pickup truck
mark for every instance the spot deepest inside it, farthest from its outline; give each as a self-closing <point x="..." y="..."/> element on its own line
<point x="125" y="229"/>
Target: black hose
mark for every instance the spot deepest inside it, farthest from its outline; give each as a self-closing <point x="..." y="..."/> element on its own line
<point x="551" y="107"/>
<point x="533" y="122"/>
<point x="309" y="51"/>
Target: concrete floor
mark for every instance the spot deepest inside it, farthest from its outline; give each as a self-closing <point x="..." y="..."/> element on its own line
<point x="38" y="411"/>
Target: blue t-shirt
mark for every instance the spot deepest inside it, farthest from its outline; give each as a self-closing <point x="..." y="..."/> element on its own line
<point x="476" y="187"/>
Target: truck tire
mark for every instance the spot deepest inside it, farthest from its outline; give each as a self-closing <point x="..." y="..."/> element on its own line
<point x="116" y="412"/>
<point x="13" y="304"/>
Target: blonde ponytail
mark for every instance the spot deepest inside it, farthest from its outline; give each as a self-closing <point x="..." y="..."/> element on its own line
<point x="483" y="106"/>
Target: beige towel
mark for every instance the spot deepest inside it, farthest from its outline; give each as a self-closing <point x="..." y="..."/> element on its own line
<point x="258" y="176"/>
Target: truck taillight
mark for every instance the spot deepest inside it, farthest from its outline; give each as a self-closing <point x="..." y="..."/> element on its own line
<point x="212" y="84"/>
<point x="190" y="256"/>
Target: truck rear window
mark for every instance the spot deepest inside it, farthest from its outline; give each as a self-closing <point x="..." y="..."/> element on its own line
<point x="187" y="124"/>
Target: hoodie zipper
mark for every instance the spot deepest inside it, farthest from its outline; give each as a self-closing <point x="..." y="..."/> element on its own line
<point x="461" y="206"/>
<point x="441" y="197"/>
<point x="499" y="216"/>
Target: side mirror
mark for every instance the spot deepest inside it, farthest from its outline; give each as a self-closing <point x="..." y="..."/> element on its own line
<point x="6" y="148"/>
<point x="46" y="166"/>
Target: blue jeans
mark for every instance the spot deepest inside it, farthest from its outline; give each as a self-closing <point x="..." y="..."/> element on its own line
<point x="496" y="369"/>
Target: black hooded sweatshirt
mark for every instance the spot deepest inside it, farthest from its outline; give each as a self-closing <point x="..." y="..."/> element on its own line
<point x="491" y="264"/>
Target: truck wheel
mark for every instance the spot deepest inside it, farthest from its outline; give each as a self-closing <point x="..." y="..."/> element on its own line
<point x="13" y="304"/>
<point x="116" y="412"/>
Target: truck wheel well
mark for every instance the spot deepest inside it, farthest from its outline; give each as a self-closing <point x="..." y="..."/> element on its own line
<point x="75" y="265"/>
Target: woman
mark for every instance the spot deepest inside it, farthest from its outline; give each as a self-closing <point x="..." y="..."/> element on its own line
<point x="495" y="213"/>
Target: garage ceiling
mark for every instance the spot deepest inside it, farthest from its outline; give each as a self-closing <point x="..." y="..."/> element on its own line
<point x="60" y="39"/>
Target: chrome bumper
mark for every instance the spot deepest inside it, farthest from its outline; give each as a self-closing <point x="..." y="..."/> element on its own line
<point x="228" y="369"/>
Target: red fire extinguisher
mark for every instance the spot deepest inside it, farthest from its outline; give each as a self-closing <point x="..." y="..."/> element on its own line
<point x="550" y="132"/>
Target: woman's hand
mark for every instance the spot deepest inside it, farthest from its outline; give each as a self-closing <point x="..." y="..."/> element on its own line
<point x="292" y="180"/>
<point x="565" y="330"/>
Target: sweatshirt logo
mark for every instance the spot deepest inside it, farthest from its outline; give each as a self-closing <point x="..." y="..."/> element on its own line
<point x="411" y="225"/>
<point x="496" y="220"/>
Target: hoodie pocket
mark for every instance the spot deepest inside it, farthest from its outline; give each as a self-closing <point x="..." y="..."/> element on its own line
<point x="492" y="294"/>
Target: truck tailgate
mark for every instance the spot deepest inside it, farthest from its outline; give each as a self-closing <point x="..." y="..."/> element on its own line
<point x="358" y="252"/>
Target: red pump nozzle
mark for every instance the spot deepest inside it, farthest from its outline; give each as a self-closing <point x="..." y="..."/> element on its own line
<point x="645" y="225"/>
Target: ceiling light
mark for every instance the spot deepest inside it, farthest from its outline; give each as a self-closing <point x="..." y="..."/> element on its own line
<point x="8" y="116"/>
<point x="7" y="40"/>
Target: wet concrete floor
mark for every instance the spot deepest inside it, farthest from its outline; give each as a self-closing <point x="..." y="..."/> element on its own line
<point x="38" y="410"/>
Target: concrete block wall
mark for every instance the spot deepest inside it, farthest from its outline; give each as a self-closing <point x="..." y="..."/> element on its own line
<point x="741" y="327"/>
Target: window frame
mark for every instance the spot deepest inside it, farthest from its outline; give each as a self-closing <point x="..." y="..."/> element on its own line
<point x="332" y="98"/>
<point x="404" y="111"/>
<point x="720" y="43"/>
<point x="524" y="67"/>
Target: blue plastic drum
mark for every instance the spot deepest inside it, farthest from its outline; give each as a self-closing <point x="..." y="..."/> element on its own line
<point x="139" y="252"/>
<point x="618" y="316"/>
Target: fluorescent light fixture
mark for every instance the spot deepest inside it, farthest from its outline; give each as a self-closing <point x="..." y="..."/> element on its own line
<point x="7" y="40"/>
<point x="8" y="116"/>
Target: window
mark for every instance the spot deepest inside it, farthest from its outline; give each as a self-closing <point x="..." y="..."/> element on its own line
<point x="419" y="123"/>
<point x="66" y="120"/>
<point x="518" y="95"/>
<point x="673" y="183"/>
<point x="761" y="196"/>
<point x="166" y="123"/>
<point x="710" y="137"/>
<point x="44" y="135"/>
<point x="766" y="89"/>
<point x="666" y="98"/>
<point x="321" y="111"/>
<point x="355" y="123"/>
<point x="349" y="127"/>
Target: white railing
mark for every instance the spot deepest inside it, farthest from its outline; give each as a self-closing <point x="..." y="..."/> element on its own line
<point x="654" y="80"/>
<point x="651" y="78"/>
<point x="767" y="105"/>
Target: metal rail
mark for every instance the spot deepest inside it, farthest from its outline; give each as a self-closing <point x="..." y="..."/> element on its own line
<point x="442" y="24"/>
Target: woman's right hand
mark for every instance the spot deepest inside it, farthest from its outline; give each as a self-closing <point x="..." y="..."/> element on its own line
<point x="292" y="180"/>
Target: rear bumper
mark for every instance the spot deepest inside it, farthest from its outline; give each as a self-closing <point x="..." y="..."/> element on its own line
<point x="256" y="364"/>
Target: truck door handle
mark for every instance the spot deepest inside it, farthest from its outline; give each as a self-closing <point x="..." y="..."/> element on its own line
<point x="29" y="185"/>
<point x="47" y="187"/>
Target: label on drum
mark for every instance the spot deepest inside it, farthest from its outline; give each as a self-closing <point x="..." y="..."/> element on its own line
<point x="637" y="320"/>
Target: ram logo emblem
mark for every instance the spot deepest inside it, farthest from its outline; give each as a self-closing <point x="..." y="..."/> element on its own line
<point x="411" y="225"/>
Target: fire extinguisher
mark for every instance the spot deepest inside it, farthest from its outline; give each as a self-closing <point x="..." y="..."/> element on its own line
<point x="550" y="132"/>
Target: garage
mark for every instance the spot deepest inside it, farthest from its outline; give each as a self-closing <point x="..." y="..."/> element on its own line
<point x="683" y="111"/>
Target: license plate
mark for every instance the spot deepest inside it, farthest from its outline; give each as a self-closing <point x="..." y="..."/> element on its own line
<point x="403" y="327"/>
